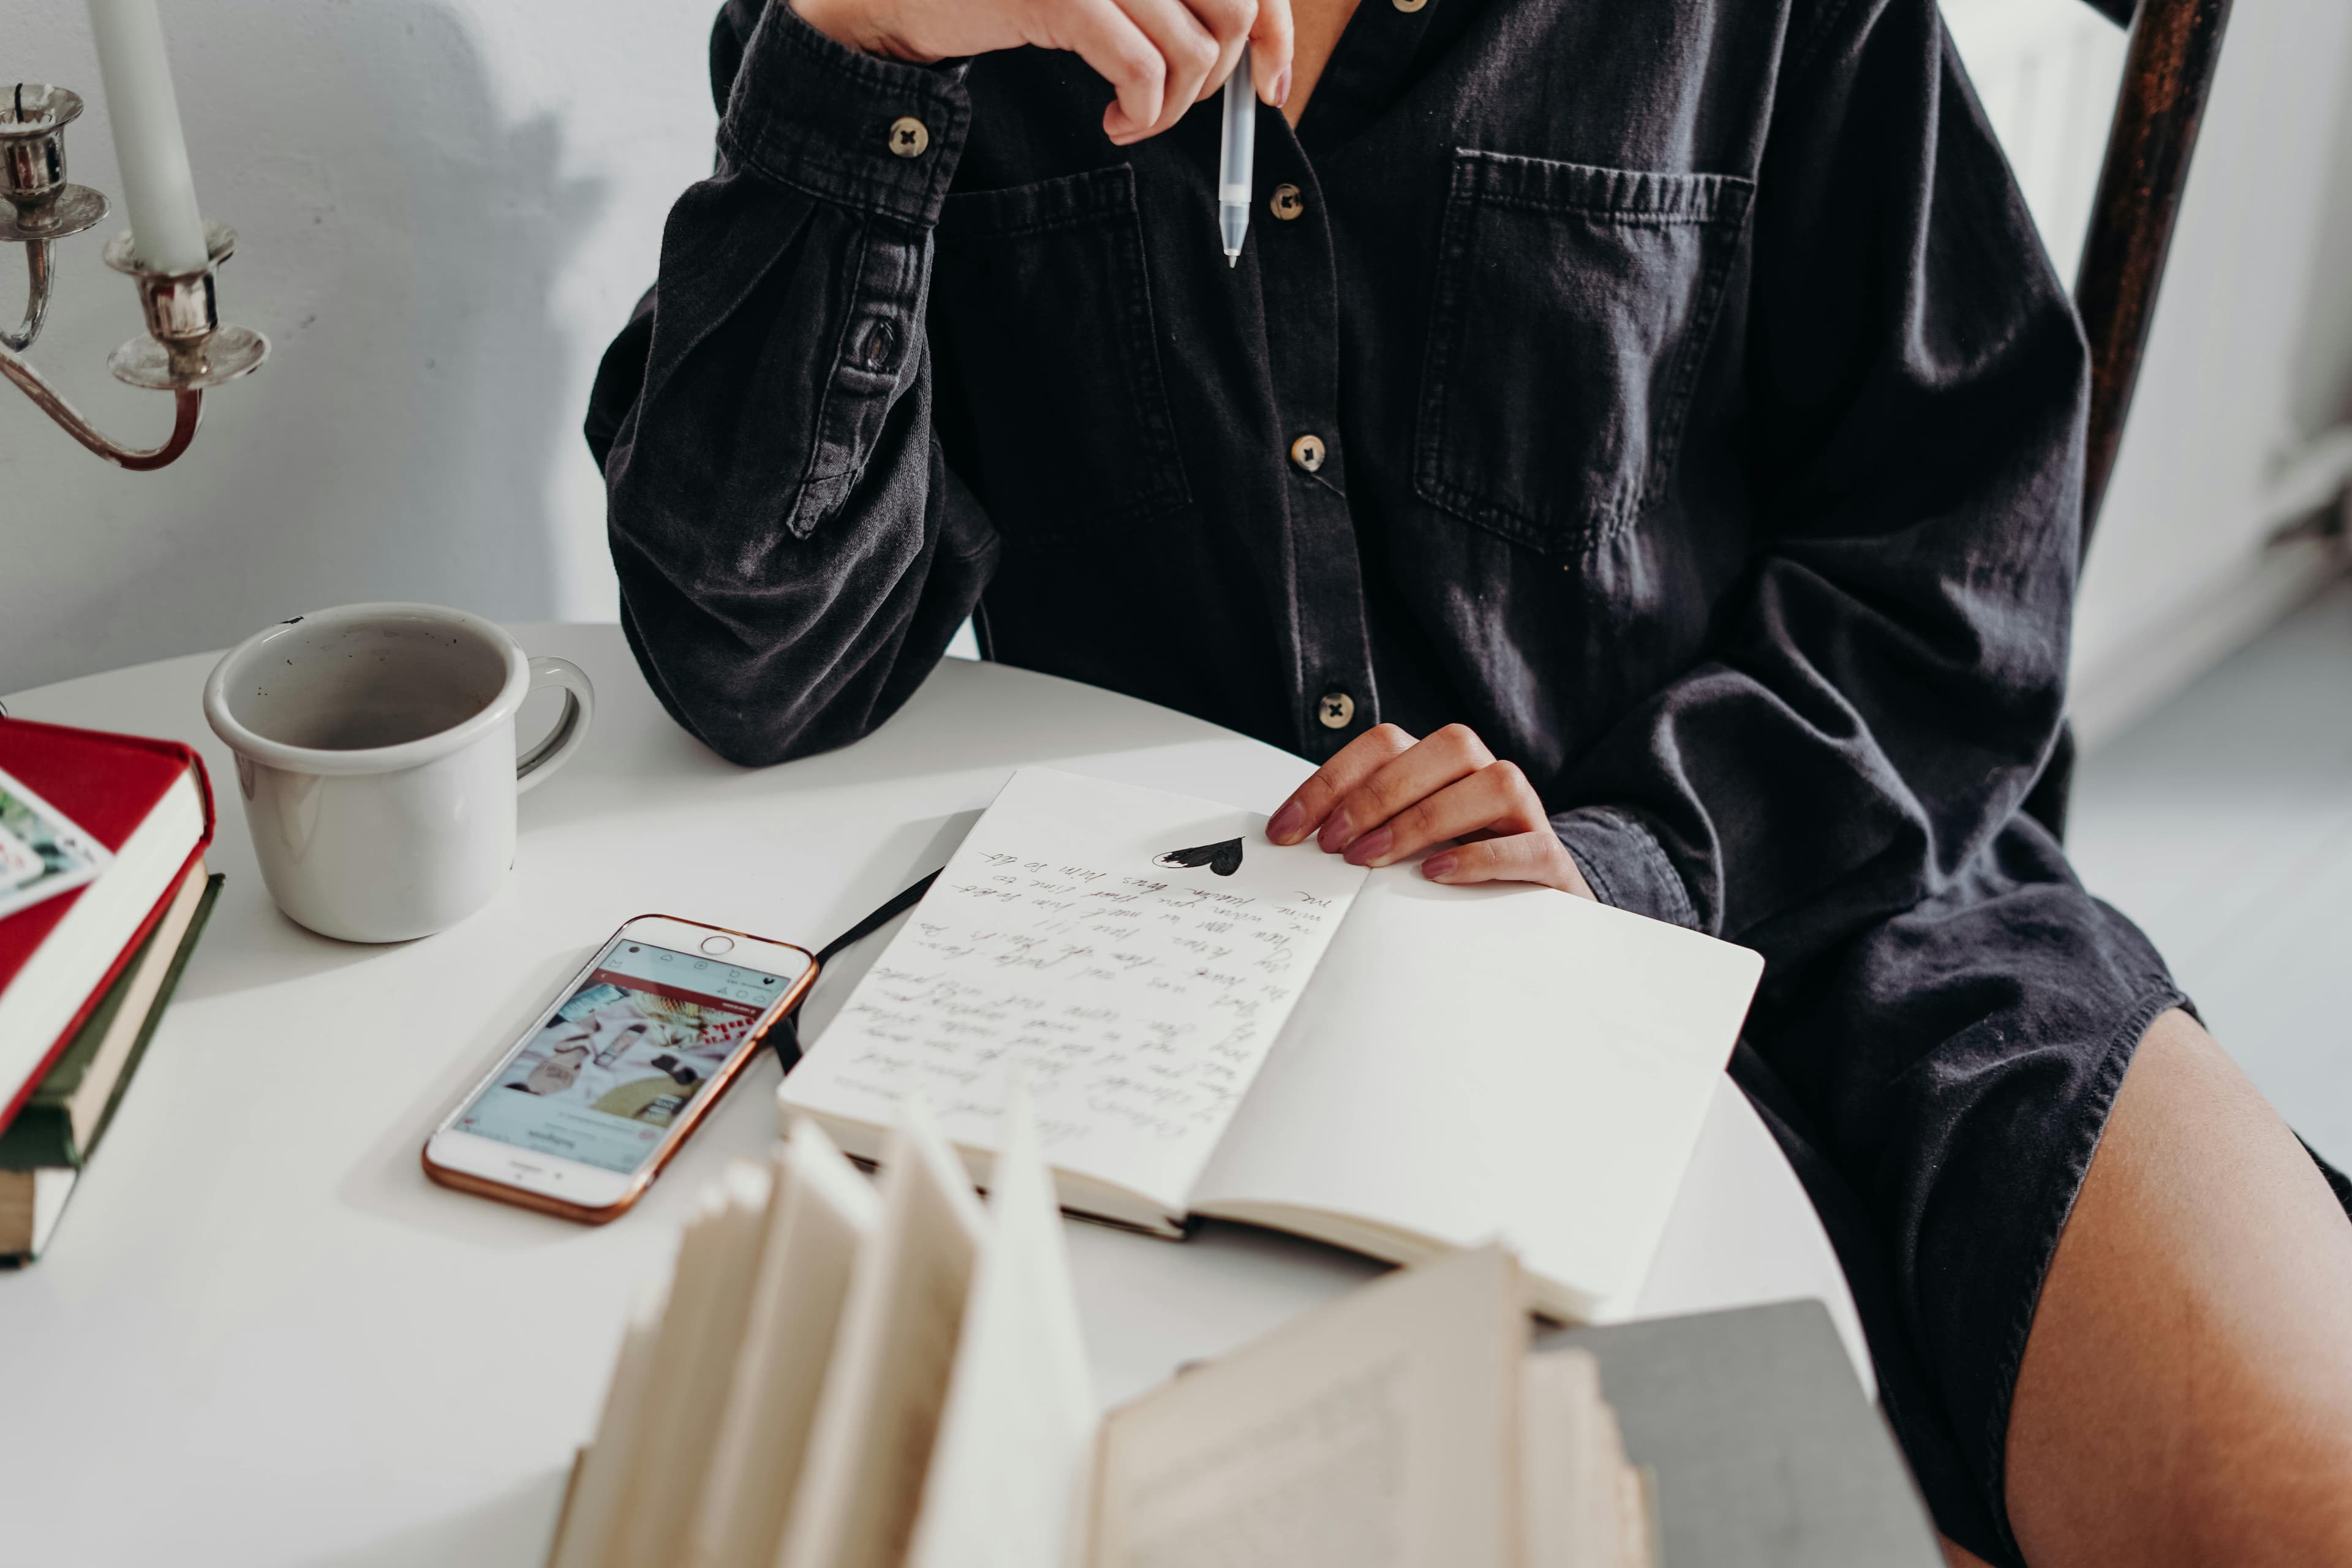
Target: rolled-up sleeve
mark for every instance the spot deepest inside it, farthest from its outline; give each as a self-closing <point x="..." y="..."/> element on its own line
<point x="793" y="552"/>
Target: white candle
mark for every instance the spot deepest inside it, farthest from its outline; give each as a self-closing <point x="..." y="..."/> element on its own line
<point x="166" y="233"/>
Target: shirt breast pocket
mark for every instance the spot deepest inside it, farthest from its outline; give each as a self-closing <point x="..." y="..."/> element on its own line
<point x="1046" y="305"/>
<point x="1572" y="308"/>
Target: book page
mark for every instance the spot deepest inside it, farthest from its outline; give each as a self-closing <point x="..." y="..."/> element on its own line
<point x="1021" y="1413"/>
<point x="861" y="1484"/>
<point x="592" y="1505"/>
<point x="1134" y="953"/>
<point x="710" y="1297"/>
<point x="1380" y="1428"/>
<point x="1569" y="1464"/>
<point x="1492" y="1061"/>
<point x="699" y="1261"/>
<point x="128" y="1020"/>
<point x="825" y="1215"/>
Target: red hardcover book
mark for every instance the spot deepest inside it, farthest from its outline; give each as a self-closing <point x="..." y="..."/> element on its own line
<point x="147" y="801"/>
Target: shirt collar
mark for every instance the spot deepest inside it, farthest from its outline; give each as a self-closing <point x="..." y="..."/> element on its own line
<point x="1373" y="63"/>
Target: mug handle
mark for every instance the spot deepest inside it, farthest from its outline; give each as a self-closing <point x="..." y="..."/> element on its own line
<point x="579" y="708"/>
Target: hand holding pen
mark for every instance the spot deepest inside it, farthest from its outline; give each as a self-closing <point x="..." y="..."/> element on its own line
<point x="1160" y="56"/>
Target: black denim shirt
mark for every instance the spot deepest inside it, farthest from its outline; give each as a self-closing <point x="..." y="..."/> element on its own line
<point x="1699" y="419"/>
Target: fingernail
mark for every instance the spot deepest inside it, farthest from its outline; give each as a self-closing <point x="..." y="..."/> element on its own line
<point x="1370" y="847"/>
<point x="1437" y="866"/>
<point x="1285" y="825"/>
<point x="1336" y="832"/>
<point x="1280" y="92"/>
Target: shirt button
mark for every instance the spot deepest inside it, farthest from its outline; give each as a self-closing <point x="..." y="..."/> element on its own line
<point x="1410" y="5"/>
<point x="1287" y="204"/>
<point x="909" y="136"/>
<point x="1307" y="453"/>
<point x="1335" y="709"/>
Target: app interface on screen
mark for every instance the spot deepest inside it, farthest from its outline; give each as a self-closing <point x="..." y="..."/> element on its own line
<point x="624" y="1056"/>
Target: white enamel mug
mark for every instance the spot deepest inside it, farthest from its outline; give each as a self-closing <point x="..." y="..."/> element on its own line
<point x="375" y="750"/>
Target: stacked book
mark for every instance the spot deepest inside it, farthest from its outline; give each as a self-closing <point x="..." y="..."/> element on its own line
<point x="841" y="1375"/>
<point x="104" y="891"/>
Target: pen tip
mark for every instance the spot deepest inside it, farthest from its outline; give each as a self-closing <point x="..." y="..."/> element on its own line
<point x="1233" y="258"/>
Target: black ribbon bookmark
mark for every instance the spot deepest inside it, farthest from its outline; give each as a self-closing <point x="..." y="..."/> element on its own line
<point x="785" y="1033"/>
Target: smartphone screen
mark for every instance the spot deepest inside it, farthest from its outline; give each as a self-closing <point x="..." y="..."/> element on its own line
<point x="622" y="1056"/>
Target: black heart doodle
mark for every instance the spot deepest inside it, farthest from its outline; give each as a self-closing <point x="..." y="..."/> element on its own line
<point x="1224" y="859"/>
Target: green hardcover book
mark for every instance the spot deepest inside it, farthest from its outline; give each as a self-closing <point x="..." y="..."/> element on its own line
<point x="59" y="1127"/>
<point x="61" y="1123"/>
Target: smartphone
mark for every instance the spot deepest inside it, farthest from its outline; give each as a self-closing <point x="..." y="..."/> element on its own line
<point x="593" y="1098"/>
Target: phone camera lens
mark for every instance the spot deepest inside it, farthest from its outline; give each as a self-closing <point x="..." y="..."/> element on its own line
<point x="635" y="950"/>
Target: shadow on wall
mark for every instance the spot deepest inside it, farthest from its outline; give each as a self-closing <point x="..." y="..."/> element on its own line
<point x="402" y="241"/>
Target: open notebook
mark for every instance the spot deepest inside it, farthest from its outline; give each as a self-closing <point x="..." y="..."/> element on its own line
<point x="1211" y="1025"/>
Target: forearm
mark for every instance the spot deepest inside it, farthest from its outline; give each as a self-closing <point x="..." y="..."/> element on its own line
<point x="793" y="553"/>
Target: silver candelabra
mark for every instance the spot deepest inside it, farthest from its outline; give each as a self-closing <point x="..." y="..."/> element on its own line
<point x="184" y="349"/>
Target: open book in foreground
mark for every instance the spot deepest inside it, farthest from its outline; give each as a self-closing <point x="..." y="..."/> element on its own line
<point x="838" y="1378"/>
<point x="1213" y="1025"/>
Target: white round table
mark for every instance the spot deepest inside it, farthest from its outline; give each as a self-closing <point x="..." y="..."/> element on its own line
<point x="262" y="1337"/>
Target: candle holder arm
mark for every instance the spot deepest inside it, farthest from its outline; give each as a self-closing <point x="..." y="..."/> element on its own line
<point x="37" y="273"/>
<point x="188" y="409"/>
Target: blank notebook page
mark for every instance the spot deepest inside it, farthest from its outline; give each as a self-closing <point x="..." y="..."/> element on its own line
<point x="1470" y="1063"/>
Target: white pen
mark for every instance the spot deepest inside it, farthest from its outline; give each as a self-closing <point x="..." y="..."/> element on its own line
<point x="1236" y="158"/>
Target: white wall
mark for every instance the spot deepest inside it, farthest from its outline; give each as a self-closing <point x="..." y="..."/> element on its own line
<point x="2249" y="361"/>
<point x="446" y="207"/>
<point x="449" y="206"/>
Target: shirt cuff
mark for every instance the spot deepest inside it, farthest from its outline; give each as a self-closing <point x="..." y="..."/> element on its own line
<point x="1625" y="863"/>
<point x="878" y="135"/>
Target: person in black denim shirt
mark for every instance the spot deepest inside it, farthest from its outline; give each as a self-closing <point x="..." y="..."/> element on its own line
<point x="1641" y="440"/>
